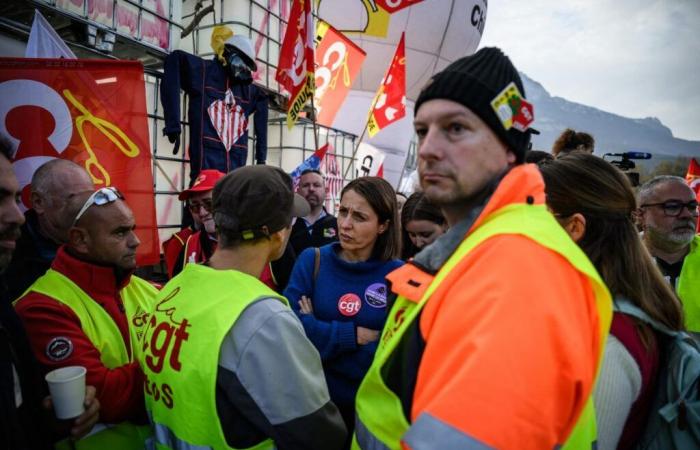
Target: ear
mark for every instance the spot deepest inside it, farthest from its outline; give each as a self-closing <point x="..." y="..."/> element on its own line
<point x="510" y="157"/>
<point x="638" y="217"/>
<point x="37" y="203"/>
<point x="79" y="239"/>
<point x="278" y="242"/>
<point x="576" y="226"/>
<point x="383" y="227"/>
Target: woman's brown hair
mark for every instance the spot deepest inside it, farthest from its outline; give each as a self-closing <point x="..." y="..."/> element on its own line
<point x="382" y="199"/>
<point x="417" y="207"/>
<point x="572" y="141"/>
<point x="585" y="184"/>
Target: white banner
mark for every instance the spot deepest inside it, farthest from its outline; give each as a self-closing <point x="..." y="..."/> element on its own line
<point x="44" y="42"/>
<point x="368" y="160"/>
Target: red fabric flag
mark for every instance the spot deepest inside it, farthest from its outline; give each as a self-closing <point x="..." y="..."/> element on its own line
<point x="692" y="177"/>
<point x="92" y="112"/>
<point x="338" y="61"/>
<point x="391" y="6"/>
<point x="295" y="70"/>
<point x="313" y="162"/>
<point x="390" y="101"/>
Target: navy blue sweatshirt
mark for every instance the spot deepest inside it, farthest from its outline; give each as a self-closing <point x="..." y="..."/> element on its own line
<point x="344" y="295"/>
<point x="206" y="81"/>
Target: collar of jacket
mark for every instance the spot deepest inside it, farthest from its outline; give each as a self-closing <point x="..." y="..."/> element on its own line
<point x="520" y="184"/>
<point x="45" y="247"/>
<point x="98" y="281"/>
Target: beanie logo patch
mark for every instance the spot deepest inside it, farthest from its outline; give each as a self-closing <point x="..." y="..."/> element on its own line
<point x="512" y="109"/>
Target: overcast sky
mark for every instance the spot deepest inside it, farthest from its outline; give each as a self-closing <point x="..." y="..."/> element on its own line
<point x="635" y="58"/>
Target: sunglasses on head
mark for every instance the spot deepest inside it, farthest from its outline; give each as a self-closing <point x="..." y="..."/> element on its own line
<point x="100" y="197"/>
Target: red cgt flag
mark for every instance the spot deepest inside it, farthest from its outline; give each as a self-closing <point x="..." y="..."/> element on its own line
<point x="92" y="112"/>
<point x="295" y="70"/>
<point x="692" y="177"/>
<point x="390" y="102"/>
<point x="391" y="6"/>
<point x="338" y="61"/>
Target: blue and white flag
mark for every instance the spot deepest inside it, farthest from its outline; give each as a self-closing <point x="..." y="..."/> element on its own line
<point x="313" y="162"/>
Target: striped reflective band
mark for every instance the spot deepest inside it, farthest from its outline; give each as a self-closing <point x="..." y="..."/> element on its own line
<point x="429" y="432"/>
<point x="165" y="436"/>
<point x="365" y="439"/>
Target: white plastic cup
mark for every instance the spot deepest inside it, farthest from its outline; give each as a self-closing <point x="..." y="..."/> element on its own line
<point x="67" y="388"/>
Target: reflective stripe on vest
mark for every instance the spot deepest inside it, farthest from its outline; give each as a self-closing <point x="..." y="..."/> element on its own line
<point x="165" y="438"/>
<point x="192" y="315"/>
<point x="688" y="287"/>
<point x="104" y="334"/>
<point x="380" y="421"/>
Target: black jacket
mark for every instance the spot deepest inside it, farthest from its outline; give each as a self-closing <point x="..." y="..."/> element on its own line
<point x="26" y="427"/>
<point x="32" y="258"/>
<point x="323" y="231"/>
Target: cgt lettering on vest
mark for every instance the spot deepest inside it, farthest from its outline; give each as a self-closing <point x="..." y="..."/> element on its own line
<point x="162" y="343"/>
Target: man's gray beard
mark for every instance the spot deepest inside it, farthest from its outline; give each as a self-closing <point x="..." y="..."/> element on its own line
<point x="679" y="237"/>
<point x="682" y="237"/>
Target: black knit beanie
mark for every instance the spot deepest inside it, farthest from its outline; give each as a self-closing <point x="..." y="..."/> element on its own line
<point x="474" y="81"/>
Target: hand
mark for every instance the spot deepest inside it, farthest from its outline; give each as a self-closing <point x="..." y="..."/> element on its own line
<point x="174" y="138"/>
<point x="305" y="305"/>
<point x="83" y="423"/>
<point x="366" y="335"/>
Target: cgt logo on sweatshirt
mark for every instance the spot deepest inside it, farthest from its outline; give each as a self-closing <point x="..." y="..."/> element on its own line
<point x="349" y="304"/>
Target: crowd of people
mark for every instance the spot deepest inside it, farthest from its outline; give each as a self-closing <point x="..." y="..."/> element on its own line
<point x="482" y="311"/>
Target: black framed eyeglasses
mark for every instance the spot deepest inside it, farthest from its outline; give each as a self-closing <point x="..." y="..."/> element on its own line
<point x="100" y="197"/>
<point x="673" y="208"/>
<point x="206" y="203"/>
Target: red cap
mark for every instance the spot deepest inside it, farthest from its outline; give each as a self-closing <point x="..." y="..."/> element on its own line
<point x="204" y="182"/>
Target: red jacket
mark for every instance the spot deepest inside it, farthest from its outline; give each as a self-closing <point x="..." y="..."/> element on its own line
<point x="172" y="249"/>
<point x="57" y="339"/>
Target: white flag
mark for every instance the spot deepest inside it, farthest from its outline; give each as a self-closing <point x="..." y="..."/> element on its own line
<point x="44" y="42"/>
<point x="368" y="160"/>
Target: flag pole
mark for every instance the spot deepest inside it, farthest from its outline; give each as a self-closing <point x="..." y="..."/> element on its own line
<point x="364" y="131"/>
<point x="313" y="121"/>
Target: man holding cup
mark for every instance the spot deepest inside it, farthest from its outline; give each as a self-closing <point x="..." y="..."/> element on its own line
<point x="87" y="311"/>
<point x="23" y="425"/>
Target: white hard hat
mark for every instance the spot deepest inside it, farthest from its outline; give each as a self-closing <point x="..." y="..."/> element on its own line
<point x="245" y="46"/>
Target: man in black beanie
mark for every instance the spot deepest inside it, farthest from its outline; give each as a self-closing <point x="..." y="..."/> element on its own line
<point x="496" y="329"/>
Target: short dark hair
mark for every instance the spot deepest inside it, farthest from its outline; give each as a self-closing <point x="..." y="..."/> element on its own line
<point x="382" y="199"/>
<point x="6" y="147"/>
<point x="537" y="156"/>
<point x="307" y="171"/>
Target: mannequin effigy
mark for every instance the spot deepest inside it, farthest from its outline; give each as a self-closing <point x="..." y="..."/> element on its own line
<point x="221" y="100"/>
